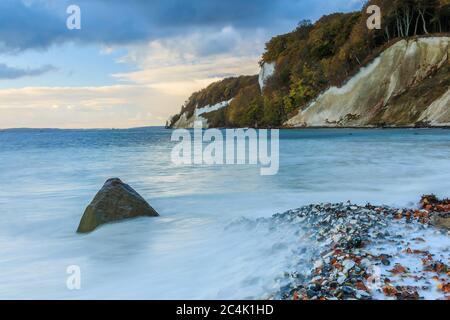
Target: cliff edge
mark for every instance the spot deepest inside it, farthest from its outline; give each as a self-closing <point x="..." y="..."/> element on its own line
<point x="336" y="72"/>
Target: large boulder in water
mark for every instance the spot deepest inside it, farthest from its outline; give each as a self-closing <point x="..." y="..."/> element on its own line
<point x="116" y="201"/>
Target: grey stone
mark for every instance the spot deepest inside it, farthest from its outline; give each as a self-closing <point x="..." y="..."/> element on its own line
<point x="116" y="201"/>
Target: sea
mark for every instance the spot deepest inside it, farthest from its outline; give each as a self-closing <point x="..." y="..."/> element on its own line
<point x="213" y="239"/>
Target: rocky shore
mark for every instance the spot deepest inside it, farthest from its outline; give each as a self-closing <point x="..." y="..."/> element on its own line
<point x="373" y="252"/>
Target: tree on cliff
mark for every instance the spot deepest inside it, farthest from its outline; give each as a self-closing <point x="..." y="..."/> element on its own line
<point x="316" y="56"/>
<point x="405" y="18"/>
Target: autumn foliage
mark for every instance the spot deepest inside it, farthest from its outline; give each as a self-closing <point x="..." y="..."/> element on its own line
<point x="316" y="56"/>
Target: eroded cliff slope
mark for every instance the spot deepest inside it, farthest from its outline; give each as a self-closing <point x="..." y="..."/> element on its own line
<point x="407" y="85"/>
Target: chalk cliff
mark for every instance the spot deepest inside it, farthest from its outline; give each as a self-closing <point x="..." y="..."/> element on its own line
<point x="407" y="85"/>
<point x="336" y="72"/>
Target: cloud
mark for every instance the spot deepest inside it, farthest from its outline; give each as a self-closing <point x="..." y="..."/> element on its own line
<point x="166" y="72"/>
<point x="181" y="65"/>
<point x="38" y="24"/>
<point x="184" y="64"/>
<point x="119" y="106"/>
<point x="7" y="72"/>
<point x="174" y="47"/>
<point x="183" y="79"/>
<point x="26" y="25"/>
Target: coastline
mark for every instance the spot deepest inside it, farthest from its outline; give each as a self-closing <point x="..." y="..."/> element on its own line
<point x="279" y="128"/>
<point x="329" y="127"/>
<point x="333" y="170"/>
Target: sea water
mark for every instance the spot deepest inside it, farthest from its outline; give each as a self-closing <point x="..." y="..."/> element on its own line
<point x="210" y="241"/>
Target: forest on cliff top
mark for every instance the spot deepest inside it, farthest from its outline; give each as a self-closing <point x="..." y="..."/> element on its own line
<point x="314" y="57"/>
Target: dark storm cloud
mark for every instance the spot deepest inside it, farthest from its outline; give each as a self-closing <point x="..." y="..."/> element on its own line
<point x="7" y="72"/>
<point x="38" y="24"/>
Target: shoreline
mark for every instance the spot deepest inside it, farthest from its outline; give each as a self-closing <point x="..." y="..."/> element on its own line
<point x="325" y="127"/>
<point x="372" y="252"/>
<point x="222" y="128"/>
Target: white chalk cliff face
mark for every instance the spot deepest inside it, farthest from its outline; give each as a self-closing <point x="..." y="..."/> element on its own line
<point x="207" y="109"/>
<point x="406" y="85"/>
<point x="438" y="113"/>
<point x="267" y="70"/>
<point x="188" y="123"/>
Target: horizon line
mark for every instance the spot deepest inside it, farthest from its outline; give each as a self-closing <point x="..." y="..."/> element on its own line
<point x="56" y="128"/>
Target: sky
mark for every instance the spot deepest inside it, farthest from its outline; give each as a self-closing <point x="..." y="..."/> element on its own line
<point x="133" y="63"/>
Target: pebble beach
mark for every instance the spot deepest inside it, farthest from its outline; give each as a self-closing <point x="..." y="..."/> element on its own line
<point x="373" y="252"/>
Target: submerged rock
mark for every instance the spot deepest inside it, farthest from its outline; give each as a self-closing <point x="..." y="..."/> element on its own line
<point x="116" y="201"/>
<point x="441" y="221"/>
<point x="440" y="210"/>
